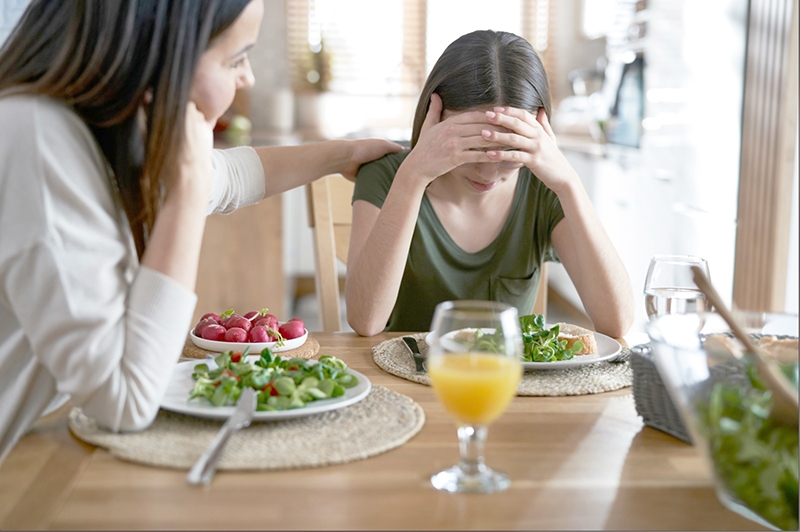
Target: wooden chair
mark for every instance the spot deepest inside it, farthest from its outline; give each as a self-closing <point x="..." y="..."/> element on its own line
<point x="330" y="217"/>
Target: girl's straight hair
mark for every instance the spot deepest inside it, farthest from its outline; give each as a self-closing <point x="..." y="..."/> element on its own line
<point x="485" y="68"/>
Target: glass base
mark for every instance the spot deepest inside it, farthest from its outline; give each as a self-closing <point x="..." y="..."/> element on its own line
<point x="456" y="480"/>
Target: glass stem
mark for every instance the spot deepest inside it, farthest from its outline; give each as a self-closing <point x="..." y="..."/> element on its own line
<point x="471" y="441"/>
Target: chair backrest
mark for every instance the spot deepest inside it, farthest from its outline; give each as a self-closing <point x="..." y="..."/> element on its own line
<point x="330" y="217"/>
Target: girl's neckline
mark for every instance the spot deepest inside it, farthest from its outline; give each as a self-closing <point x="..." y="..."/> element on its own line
<point x="451" y="244"/>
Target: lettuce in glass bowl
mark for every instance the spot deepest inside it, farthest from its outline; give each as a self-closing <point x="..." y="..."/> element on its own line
<point x="726" y="408"/>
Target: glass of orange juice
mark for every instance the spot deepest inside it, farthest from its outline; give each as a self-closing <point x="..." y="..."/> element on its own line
<point x="474" y="364"/>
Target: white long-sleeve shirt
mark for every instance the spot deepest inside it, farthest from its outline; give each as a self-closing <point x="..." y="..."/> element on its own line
<point x="79" y="317"/>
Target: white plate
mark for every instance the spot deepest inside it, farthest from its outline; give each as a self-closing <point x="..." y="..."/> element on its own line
<point x="607" y="348"/>
<point x="255" y="348"/>
<point x="181" y="384"/>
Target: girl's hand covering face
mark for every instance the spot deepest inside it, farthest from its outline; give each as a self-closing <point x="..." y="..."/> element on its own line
<point x="447" y="143"/>
<point x="534" y="144"/>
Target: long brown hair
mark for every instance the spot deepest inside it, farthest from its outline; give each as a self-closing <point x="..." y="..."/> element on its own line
<point x="482" y="68"/>
<point x="100" y="57"/>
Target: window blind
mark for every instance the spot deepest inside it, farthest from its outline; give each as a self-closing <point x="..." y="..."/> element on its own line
<point x="363" y="47"/>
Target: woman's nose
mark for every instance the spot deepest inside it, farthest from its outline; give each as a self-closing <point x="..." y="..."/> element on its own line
<point x="246" y="80"/>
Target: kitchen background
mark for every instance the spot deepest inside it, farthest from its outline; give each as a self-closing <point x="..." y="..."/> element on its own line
<point x="648" y="99"/>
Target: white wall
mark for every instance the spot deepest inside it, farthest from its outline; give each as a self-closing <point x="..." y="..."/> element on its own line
<point x="10" y="11"/>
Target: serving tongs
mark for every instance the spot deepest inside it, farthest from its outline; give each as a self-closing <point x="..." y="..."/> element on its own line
<point x="784" y="395"/>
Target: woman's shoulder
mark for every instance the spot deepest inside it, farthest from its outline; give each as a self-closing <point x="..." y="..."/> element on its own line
<point x="16" y="99"/>
<point x="21" y="112"/>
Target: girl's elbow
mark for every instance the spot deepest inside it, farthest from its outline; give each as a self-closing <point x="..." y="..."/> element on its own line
<point x="618" y="327"/>
<point x="363" y="327"/>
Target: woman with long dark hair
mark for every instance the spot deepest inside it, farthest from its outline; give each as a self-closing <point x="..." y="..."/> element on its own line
<point x="479" y="203"/>
<point x="106" y="115"/>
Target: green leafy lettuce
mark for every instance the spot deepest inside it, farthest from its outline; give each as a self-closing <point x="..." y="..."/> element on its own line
<point x="754" y="457"/>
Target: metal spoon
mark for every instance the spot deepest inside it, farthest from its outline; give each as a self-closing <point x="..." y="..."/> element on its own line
<point x="784" y="395"/>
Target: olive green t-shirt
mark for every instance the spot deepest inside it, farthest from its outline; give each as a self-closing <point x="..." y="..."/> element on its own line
<point x="437" y="269"/>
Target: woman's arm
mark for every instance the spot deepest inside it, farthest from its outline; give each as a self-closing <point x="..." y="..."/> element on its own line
<point x="89" y="321"/>
<point x="580" y="240"/>
<point x="174" y="246"/>
<point x="287" y="167"/>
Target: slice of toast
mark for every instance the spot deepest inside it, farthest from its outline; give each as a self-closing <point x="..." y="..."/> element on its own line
<point x="572" y="333"/>
<point x="781" y="349"/>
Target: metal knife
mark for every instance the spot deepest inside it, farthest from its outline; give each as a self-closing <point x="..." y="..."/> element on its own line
<point x="203" y="470"/>
<point x="418" y="358"/>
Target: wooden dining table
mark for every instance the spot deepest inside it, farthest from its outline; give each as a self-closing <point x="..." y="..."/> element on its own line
<point x="575" y="462"/>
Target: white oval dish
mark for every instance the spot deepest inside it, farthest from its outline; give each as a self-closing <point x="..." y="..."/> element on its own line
<point x="255" y="347"/>
<point x="181" y="384"/>
<point x="608" y="349"/>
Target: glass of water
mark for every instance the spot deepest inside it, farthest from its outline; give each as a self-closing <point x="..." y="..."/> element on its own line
<point x="669" y="286"/>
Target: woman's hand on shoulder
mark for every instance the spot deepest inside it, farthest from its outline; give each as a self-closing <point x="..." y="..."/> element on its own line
<point x="447" y="144"/>
<point x="363" y="151"/>
<point x="534" y="143"/>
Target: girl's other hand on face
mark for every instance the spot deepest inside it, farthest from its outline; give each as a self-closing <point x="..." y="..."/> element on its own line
<point x="449" y="143"/>
<point x="535" y="145"/>
<point x="195" y="166"/>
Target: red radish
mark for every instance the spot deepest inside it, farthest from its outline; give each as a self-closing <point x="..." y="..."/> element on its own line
<point x="214" y="332"/>
<point x="269" y="321"/>
<point x="202" y="324"/>
<point x="252" y="314"/>
<point x="296" y="319"/>
<point x="236" y="334"/>
<point x="259" y="334"/>
<point x="238" y="321"/>
<point x="225" y="319"/>
<point x="273" y="321"/>
<point x="212" y="316"/>
<point x="292" y="329"/>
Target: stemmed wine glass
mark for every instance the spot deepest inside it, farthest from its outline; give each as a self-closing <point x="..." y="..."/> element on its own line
<point x="474" y="364"/>
<point x="669" y="287"/>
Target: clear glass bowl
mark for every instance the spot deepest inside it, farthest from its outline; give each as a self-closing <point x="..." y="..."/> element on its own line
<point x="753" y="458"/>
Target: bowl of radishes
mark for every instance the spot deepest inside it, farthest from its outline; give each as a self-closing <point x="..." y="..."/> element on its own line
<point x="257" y="330"/>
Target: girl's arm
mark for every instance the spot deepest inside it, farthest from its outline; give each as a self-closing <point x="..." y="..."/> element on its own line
<point x="379" y="244"/>
<point x="380" y="238"/>
<point x="580" y="240"/>
<point x="593" y="264"/>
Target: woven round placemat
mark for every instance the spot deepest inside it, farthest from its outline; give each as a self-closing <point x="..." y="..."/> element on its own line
<point x="309" y="349"/>
<point x="382" y="421"/>
<point x="393" y="357"/>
